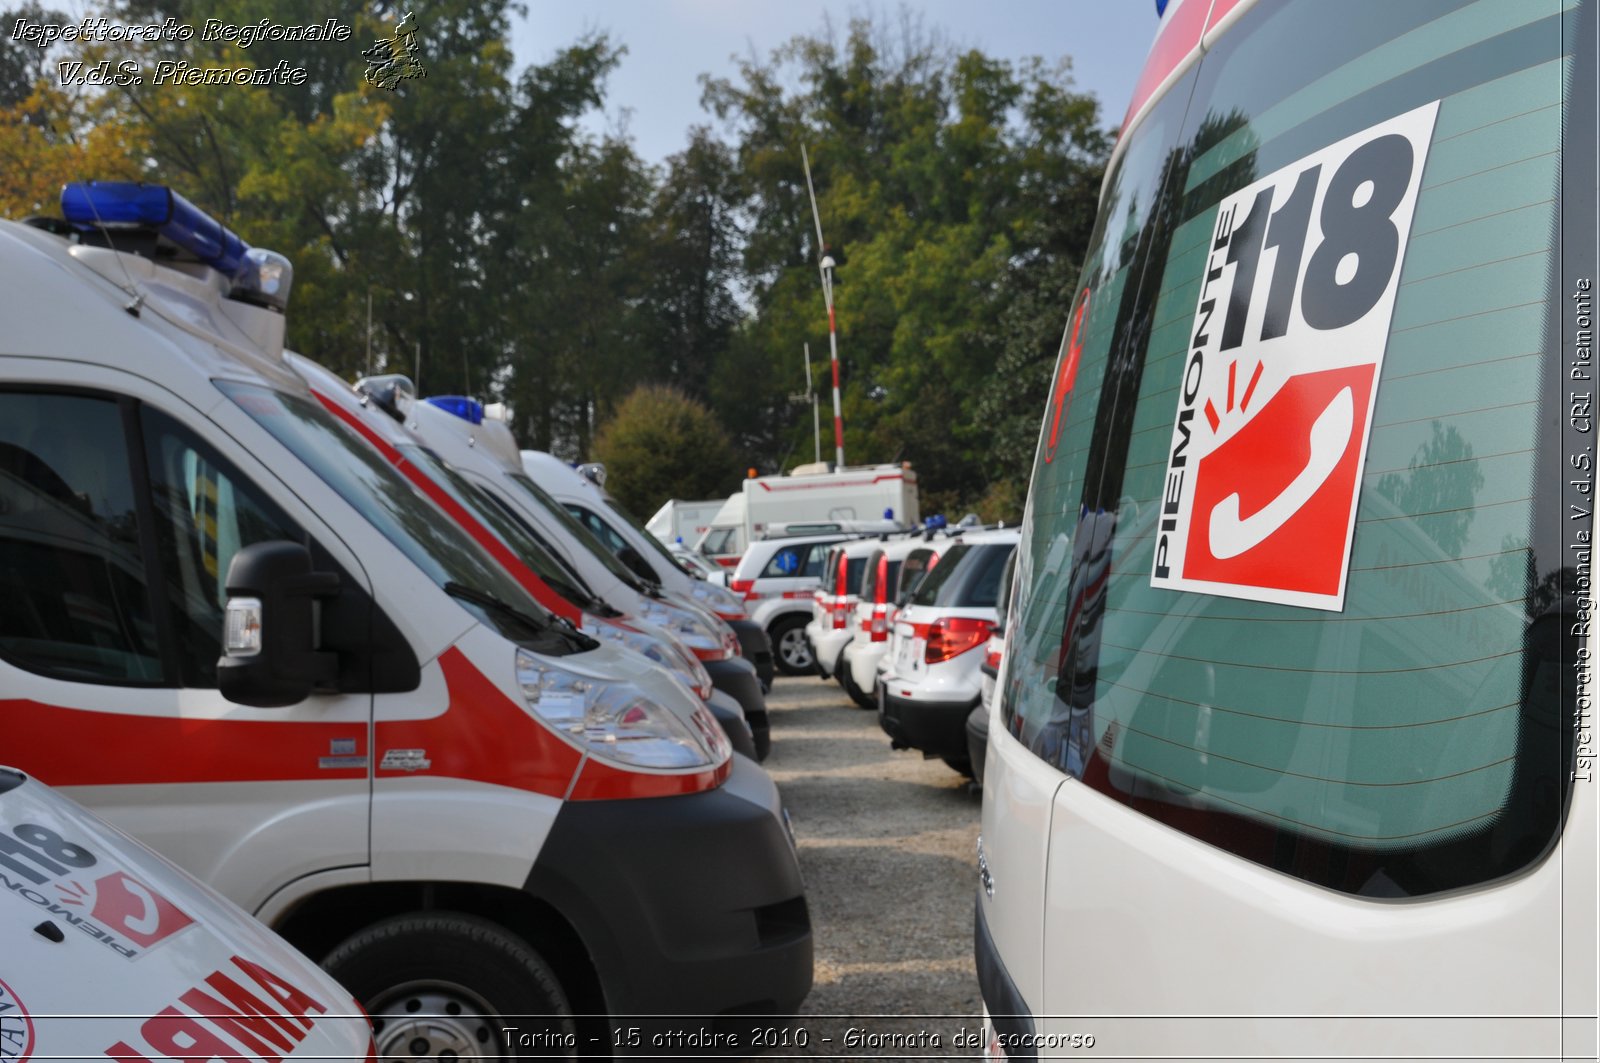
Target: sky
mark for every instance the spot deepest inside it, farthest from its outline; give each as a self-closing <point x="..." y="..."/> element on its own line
<point x="670" y="43"/>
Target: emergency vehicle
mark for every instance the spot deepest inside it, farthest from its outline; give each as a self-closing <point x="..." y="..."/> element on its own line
<point x="678" y="521"/>
<point x="812" y="494"/>
<point x="875" y="608"/>
<point x="231" y="628"/>
<point x="1294" y="745"/>
<point x="832" y="572"/>
<point x="929" y="677"/>
<point x="113" y="953"/>
<point x="584" y="496"/>
<point x="481" y="507"/>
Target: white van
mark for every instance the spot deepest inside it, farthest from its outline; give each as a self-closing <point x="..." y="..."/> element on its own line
<point x="1294" y="745"/>
<point x="113" y="953"/>
<point x="232" y="629"/>
<point x="486" y="506"/>
<point x="678" y="521"/>
<point x="858" y="497"/>
<point x="584" y="496"/>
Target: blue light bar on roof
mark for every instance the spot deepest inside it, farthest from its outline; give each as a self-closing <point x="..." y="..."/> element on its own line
<point x="1161" y="8"/>
<point x="131" y="204"/>
<point x="470" y="410"/>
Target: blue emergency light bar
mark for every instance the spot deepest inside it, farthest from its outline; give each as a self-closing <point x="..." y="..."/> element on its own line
<point x="470" y="410"/>
<point x="132" y="204"/>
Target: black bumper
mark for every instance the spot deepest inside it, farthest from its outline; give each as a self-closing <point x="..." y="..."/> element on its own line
<point x="756" y="648"/>
<point x="938" y="728"/>
<point x="1007" y="1010"/>
<point x="977" y="741"/>
<point x="731" y="716"/>
<point x="689" y="906"/>
<point x="736" y="677"/>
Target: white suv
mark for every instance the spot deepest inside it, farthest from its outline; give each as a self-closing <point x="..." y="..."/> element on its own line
<point x="892" y="573"/>
<point x="776" y="578"/>
<point x="931" y="679"/>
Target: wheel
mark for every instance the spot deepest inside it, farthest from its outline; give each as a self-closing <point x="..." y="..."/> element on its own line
<point x="437" y="984"/>
<point x="857" y="695"/>
<point x="789" y="645"/>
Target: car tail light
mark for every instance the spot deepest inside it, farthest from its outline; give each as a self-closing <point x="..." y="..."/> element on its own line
<point x="841" y="616"/>
<point x="880" y="625"/>
<point x="950" y="636"/>
<point x="745" y="587"/>
<point x="992" y="659"/>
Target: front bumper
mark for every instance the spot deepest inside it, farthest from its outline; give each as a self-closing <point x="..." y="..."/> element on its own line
<point x="938" y="728"/>
<point x="756" y="648"/>
<point x="736" y="677"/>
<point x="731" y="716"/>
<point x="691" y="907"/>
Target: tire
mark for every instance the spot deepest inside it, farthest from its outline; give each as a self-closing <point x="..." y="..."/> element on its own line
<point x="790" y="651"/>
<point x="857" y="695"/>
<point x="439" y="982"/>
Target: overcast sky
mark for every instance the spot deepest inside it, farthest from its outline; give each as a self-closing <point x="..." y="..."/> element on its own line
<point x="671" y="42"/>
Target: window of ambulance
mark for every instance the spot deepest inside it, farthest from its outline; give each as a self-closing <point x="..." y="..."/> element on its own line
<point x="433" y="542"/>
<point x="580" y="534"/>
<point x="658" y="549"/>
<point x="74" y="583"/>
<point x="1292" y="578"/>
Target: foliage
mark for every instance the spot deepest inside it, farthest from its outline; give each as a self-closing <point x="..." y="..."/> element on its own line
<point x="661" y="444"/>
<point x="505" y="252"/>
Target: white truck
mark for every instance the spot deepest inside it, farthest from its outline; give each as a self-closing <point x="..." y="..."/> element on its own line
<point x="812" y="495"/>
<point x="679" y="521"/>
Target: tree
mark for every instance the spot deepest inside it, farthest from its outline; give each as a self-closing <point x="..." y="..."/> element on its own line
<point x="662" y="444"/>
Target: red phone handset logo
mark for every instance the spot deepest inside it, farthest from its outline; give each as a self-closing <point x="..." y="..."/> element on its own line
<point x="129" y="908"/>
<point x="1272" y="505"/>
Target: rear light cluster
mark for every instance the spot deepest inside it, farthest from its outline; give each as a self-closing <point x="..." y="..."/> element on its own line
<point x="992" y="659"/>
<point x="879" y="627"/>
<point x="841" y="611"/>
<point x="951" y="636"/>
<point x="745" y="588"/>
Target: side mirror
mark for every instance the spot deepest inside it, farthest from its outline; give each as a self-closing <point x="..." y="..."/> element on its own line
<point x="270" y="630"/>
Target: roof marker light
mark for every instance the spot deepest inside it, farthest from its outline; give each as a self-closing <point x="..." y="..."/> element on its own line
<point x="133" y="205"/>
<point x="469" y="410"/>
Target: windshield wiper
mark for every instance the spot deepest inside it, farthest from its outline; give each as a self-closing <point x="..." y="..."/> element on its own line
<point x="559" y="626"/>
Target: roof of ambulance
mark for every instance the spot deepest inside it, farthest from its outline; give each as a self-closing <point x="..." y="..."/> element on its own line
<point x="59" y="308"/>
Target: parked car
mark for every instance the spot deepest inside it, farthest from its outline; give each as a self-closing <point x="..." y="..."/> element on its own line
<point x="832" y="603"/>
<point x="879" y="602"/>
<point x="111" y="952"/>
<point x="234" y="630"/>
<point x="931" y="681"/>
<point x="993" y="652"/>
<point x="776" y="578"/>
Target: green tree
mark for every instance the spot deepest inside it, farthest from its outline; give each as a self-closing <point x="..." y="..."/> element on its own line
<point x="661" y="444"/>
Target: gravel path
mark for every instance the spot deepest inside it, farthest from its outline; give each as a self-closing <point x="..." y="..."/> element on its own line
<point x="887" y="844"/>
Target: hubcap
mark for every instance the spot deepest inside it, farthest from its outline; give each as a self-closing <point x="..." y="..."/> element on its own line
<point x="796" y="654"/>
<point x="433" y="1021"/>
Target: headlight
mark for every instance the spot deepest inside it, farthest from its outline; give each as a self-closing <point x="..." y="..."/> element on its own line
<point x="706" y="642"/>
<point x="674" y="659"/>
<point x="615" y="721"/>
<point x="720" y="600"/>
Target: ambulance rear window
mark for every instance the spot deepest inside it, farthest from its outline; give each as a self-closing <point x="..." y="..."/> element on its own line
<point x="1297" y="578"/>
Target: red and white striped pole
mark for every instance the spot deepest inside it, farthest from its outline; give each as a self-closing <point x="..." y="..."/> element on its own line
<point x="825" y="268"/>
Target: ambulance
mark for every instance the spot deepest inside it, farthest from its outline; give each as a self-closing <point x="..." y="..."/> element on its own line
<point x="486" y="508"/>
<point x="113" y="953"/>
<point x="1293" y="746"/>
<point x="232" y="629"/>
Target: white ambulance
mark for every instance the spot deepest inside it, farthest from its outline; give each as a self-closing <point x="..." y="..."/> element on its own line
<point x="231" y="628"/>
<point x="1293" y="752"/>
<point x="109" y="952"/>
<point x="854" y="498"/>
<point x="678" y="521"/>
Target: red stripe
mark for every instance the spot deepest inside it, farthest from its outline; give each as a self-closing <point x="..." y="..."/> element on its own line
<point x="827" y="484"/>
<point x="127" y="749"/>
<point x="485" y="538"/>
<point x="831" y="328"/>
<point x="1219" y="11"/>
<point x="838" y="431"/>
<point x="1180" y="36"/>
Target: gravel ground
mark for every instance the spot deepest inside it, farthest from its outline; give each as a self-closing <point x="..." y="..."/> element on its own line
<point x="888" y="846"/>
